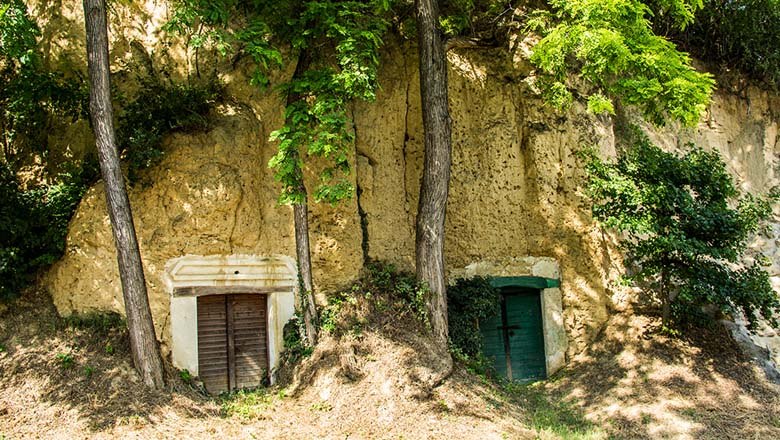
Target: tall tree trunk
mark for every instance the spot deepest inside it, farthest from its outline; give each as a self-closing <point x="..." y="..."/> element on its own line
<point x="436" y="168"/>
<point x="301" y="219"/>
<point x="300" y="212"/>
<point x="143" y="343"/>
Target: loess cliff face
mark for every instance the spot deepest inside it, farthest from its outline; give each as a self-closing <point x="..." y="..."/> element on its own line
<point x="516" y="188"/>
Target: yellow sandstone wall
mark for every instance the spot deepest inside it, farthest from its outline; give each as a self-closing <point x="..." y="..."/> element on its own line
<point x="516" y="186"/>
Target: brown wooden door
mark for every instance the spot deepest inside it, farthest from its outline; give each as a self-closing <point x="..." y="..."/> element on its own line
<point x="232" y="341"/>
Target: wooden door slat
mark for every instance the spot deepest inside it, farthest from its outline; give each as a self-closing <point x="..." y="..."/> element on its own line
<point x="232" y="341"/>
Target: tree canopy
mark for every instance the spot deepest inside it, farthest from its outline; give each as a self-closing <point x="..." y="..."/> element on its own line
<point x="611" y="45"/>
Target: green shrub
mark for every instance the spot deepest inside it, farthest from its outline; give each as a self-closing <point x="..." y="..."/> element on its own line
<point x="383" y="293"/>
<point x="294" y="347"/>
<point x="185" y="375"/>
<point x="33" y="218"/>
<point x="468" y="302"/>
<point x="65" y="360"/>
<point x="157" y="110"/>
<point x="33" y="225"/>
<point x="686" y="230"/>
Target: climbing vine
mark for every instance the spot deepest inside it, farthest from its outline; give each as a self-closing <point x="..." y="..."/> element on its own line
<point x="342" y="41"/>
<point x="469" y="301"/>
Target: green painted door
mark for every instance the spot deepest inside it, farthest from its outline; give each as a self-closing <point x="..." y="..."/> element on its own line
<point x="514" y="339"/>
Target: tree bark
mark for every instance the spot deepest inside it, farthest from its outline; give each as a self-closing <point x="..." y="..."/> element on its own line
<point x="143" y="343"/>
<point x="300" y="212"/>
<point x="301" y="219"/>
<point x="432" y="206"/>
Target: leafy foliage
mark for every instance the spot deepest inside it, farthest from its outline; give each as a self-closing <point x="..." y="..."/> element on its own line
<point x="65" y="360"/>
<point x="383" y="294"/>
<point x="34" y="223"/>
<point x="233" y="25"/>
<point x="474" y="17"/>
<point x="468" y="302"/>
<point x="295" y="347"/>
<point x="341" y="40"/>
<point x="736" y="34"/>
<point x="316" y="123"/>
<point x="31" y="95"/>
<point x="686" y="228"/>
<point x="34" y="217"/>
<point x="159" y="109"/>
<point x="611" y="44"/>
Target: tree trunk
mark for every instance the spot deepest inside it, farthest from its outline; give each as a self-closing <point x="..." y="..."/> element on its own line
<point x="301" y="218"/>
<point x="300" y="212"/>
<point x="668" y="295"/>
<point x="436" y="168"/>
<point x="143" y="343"/>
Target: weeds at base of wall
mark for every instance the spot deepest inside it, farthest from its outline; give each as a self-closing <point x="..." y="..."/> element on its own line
<point x="96" y="322"/>
<point x="382" y="296"/>
<point x="249" y="404"/>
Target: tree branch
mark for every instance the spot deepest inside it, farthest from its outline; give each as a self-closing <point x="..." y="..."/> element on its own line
<point x="469" y="43"/>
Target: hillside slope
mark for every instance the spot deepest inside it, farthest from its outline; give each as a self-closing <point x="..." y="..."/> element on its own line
<point x="69" y="379"/>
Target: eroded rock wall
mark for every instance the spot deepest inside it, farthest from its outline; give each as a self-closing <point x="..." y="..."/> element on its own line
<point x="516" y="187"/>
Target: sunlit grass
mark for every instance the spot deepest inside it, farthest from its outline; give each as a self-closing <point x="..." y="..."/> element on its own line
<point x="249" y="404"/>
<point x="552" y="418"/>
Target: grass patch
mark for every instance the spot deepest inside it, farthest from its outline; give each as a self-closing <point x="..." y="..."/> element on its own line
<point x="551" y="418"/>
<point x="248" y="404"/>
<point x="65" y="360"/>
<point x="88" y="371"/>
<point x="98" y="322"/>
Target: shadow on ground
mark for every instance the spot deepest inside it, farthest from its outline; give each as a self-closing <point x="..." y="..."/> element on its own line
<point x="642" y="384"/>
<point x="59" y="371"/>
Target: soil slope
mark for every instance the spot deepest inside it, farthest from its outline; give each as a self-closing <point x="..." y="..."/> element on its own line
<point x="67" y="379"/>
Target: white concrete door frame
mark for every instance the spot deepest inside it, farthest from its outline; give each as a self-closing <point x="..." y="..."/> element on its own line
<point x="191" y="276"/>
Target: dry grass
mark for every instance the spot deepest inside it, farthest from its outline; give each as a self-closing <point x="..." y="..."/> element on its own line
<point x="373" y="385"/>
<point x="641" y="384"/>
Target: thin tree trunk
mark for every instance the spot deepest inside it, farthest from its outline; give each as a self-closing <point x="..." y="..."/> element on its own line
<point x="667" y="298"/>
<point x="301" y="218"/>
<point x="143" y="343"/>
<point x="436" y="168"/>
<point x="300" y="212"/>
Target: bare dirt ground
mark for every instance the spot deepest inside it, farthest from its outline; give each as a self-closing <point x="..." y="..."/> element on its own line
<point x="67" y="379"/>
